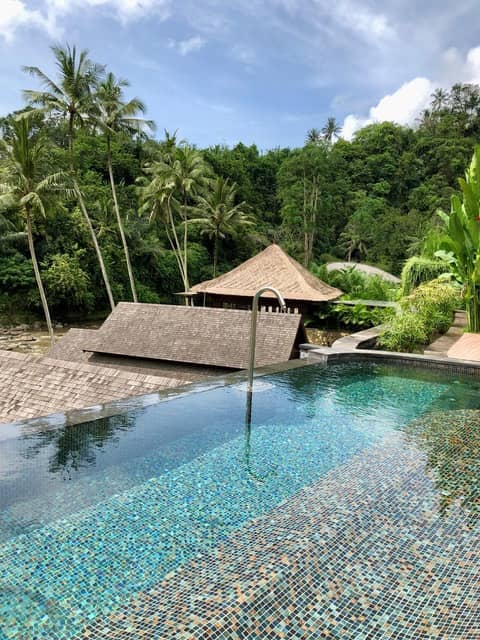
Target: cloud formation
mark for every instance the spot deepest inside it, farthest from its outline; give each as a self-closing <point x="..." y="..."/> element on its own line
<point x="184" y="47"/>
<point x="405" y="104"/>
<point x="15" y="14"/>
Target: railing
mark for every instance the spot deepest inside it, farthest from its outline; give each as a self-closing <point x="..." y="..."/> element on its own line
<point x="253" y="329"/>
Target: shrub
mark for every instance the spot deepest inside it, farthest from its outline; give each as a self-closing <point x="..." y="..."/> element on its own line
<point x="360" y="316"/>
<point x="146" y="294"/>
<point x="405" y="332"/>
<point x="426" y="311"/>
<point x="358" y="285"/>
<point x="67" y="284"/>
<point x="418" y="270"/>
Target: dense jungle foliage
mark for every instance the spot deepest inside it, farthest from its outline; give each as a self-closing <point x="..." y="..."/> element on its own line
<point x="186" y="212"/>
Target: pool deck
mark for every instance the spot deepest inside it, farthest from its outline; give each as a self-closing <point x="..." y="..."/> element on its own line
<point x="362" y="554"/>
<point x="442" y="345"/>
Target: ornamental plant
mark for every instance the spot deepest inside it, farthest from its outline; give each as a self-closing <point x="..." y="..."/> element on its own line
<point x="460" y="246"/>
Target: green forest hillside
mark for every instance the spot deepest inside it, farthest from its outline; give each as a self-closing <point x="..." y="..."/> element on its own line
<point x="372" y="199"/>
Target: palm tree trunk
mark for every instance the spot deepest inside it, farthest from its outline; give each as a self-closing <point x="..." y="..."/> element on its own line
<point x="185" y="248"/>
<point x="84" y="211"/>
<point x="176" y="246"/>
<point x="185" y="243"/>
<point x="38" y="278"/>
<point x="215" y="254"/>
<point x="95" y="242"/>
<point x="120" y="224"/>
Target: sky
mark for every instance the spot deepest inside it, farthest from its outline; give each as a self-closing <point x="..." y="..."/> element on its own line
<point x="255" y="71"/>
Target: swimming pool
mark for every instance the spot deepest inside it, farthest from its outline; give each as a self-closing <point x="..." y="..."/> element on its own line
<point x="337" y="510"/>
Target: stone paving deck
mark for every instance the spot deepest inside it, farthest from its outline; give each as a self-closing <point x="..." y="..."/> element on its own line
<point x="442" y="345"/>
<point x="363" y="554"/>
<point x="467" y="347"/>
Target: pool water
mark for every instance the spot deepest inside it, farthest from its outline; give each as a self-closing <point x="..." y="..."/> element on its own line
<point x="93" y="514"/>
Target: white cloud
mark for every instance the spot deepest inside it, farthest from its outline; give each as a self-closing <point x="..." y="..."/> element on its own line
<point x="351" y="124"/>
<point x="14" y="14"/>
<point x="184" y="47"/>
<point x="405" y="104"/>
<point x="455" y="67"/>
<point x="124" y="9"/>
<point x="360" y="19"/>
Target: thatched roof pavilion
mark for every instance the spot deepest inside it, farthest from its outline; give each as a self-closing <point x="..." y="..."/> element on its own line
<point x="272" y="266"/>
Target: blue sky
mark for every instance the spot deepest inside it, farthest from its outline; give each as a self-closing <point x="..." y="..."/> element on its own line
<point x="262" y="71"/>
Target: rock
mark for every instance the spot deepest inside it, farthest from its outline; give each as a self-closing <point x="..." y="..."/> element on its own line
<point x="21" y="327"/>
<point x="58" y="325"/>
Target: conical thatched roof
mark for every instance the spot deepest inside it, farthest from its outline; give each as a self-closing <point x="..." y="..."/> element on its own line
<point x="273" y="267"/>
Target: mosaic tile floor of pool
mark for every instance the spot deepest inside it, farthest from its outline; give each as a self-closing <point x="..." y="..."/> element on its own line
<point x="365" y="553"/>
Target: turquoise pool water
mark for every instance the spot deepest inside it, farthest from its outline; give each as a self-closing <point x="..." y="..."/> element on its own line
<point x="95" y="513"/>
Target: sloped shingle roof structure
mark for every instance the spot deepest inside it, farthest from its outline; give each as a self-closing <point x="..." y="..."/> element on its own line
<point x="71" y="347"/>
<point x="195" y="335"/>
<point x="32" y="386"/>
<point x="273" y="267"/>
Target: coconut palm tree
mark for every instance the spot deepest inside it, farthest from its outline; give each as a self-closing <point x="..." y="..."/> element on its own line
<point x="221" y="216"/>
<point x="331" y="131"/>
<point x="113" y="115"/>
<point x="23" y="186"/>
<point x="439" y="99"/>
<point x="71" y="98"/>
<point x="172" y="185"/>
<point x="314" y="136"/>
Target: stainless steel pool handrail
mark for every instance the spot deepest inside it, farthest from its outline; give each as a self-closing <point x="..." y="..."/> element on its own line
<point x="253" y="329"/>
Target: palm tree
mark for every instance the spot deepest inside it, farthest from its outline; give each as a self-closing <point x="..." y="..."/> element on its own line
<point x="174" y="183"/>
<point x="113" y="115"/>
<point x="314" y="136"/>
<point x="331" y="131"/>
<point x="23" y="186"/>
<point x="71" y="98"/>
<point x="221" y="216"/>
<point x="439" y="99"/>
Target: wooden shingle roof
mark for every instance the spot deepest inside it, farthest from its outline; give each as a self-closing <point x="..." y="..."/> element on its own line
<point x="32" y="386"/>
<point x="195" y="335"/>
<point x="273" y="267"/>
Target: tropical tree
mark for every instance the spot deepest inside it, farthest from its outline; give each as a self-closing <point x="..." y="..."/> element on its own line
<point x="331" y="131"/>
<point x="439" y="99"/>
<point x="25" y="187"/>
<point x="113" y="116"/>
<point x="172" y="186"/>
<point x="219" y="215"/>
<point x="301" y="189"/>
<point x="460" y="247"/>
<point x="71" y="98"/>
<point x="314" y="136"/>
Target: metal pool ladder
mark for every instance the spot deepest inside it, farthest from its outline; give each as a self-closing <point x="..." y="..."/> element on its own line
<point x="253" y="329"/>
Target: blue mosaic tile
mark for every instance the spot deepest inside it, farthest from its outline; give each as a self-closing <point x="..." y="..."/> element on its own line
<point x="74" y="552"/>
